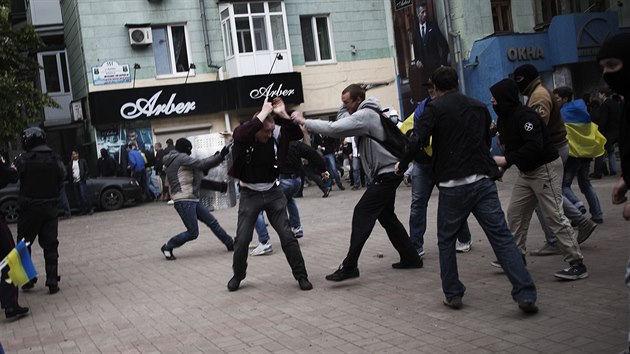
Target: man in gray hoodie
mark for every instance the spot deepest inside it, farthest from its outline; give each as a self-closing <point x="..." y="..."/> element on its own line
<point x="184" y="175"/>
<point x="360" y="119"/>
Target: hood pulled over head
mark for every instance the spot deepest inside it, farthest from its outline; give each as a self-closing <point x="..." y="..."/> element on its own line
<point x="617" y="47"/>
<point x="505" y="93"/>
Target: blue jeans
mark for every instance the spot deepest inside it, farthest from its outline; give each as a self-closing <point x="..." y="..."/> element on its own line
<point x="190" y="212"/>
<point x="421" y="189"/>
<point x="274" y="204"/>
<point x="261" y="228"/>
<point x="81" y="192"/>
<point x="600" y="162"/>
<point x="580" y="167"/>
<point x="63" y="196"/>
<point x="480" y="199"/>
<point x="290" y="187"/>
<point x="331" y="164"/>
<point x="356" y="172"/>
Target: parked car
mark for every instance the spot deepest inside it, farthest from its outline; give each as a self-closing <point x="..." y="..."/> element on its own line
<point x="106" y="193"/>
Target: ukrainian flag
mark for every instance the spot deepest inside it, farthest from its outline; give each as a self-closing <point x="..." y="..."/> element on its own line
<point x="21" y="269"/>
<point x="584" y="139"/>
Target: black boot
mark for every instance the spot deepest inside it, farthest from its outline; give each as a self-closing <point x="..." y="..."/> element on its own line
<point x="52" y="278"/>
<point x="16" y="311"/>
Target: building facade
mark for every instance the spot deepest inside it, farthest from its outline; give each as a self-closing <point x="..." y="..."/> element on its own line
<point x="159" y="69"/>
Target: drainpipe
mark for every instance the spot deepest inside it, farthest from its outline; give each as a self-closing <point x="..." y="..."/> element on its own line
<point x="457" y="46"/>
<point x="206" y="41"/>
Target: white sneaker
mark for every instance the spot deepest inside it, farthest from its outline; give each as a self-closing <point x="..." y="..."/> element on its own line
<point x="463" y="247"/>
<point x="170" y="202"/>
<point x="297" y="231"/>
<point x="262" y="248"/>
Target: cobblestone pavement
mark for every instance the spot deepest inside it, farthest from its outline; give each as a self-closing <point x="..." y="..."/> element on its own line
<point x="119" y="294"/>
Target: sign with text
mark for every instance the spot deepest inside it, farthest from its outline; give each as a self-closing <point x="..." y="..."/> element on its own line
<point x="401" y="4"/>
<point x="173" y="101"/>
<point x="110" y="72"/>
<point x="250" y="91"/>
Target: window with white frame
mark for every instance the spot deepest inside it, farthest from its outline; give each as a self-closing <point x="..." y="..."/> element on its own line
<point x="259" y="27"/>
<point x="171" y="49"/>
<point x="317" y="39"/>
<point x="54" y="73"/>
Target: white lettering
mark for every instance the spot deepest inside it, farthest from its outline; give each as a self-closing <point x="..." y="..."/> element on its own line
<point x="270" y="92"/>
<point x="142" y="106"/>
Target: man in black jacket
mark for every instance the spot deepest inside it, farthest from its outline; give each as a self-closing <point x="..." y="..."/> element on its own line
<point x="106" y="165"/>
<point x="609" y="114"/>
<point x="258" y="148"/>
<point x="41" y="177"/>
<point x="77" y="175"/>
<point x="430" y="51"/>
<point x="465" y="174"/>
<point x="528" y="145"/>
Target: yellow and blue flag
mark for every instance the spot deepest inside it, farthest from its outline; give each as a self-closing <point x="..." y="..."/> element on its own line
<point x="585" y="140"/>
<point x="21" y="269"/>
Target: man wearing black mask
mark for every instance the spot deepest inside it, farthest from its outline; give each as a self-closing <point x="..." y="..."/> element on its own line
<point x="614" y="57"/>
<point x="528" y="146"/>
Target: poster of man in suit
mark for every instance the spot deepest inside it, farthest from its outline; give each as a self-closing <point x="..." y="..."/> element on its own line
<point x="421" y="47"/>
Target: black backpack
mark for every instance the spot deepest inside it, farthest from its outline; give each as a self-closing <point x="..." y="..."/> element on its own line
<point x="395" y="141"/>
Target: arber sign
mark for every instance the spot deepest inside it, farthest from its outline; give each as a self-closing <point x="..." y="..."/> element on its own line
<point x="525" y="53"/>
<point x="151" y="107"/>
<point x="116" y="106"/>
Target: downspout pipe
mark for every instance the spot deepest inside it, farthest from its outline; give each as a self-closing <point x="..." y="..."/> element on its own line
<point x="457" y="46"/>
<point x="206" y="42"/>
<point x="206" y="39"/>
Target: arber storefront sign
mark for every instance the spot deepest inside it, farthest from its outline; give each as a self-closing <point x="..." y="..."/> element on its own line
<point x="193" y="99"/>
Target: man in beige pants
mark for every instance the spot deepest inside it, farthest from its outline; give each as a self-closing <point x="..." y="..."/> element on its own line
<point x="527" y="145"/>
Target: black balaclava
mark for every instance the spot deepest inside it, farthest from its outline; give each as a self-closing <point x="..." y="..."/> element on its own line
<point x="184" y="146"/>
<point x="529" y="74"/>
<point x="104" y="153"/>
<point x="505" y="92"/>
<point x="618" y="47"/>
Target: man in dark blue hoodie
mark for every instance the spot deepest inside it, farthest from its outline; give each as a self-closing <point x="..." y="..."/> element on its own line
<point x="526" y="143"/>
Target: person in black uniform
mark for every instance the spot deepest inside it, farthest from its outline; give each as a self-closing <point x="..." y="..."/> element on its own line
<point x="8" y="292"/>
<point x="41" y="177"/>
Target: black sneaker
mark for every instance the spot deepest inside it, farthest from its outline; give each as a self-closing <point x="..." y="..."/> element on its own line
<point x="405" y="265"/>
<point x="454" y="302"/>
<point x="229" y="247"/>
<point x="528" y="306"/>
<point x="53" y="289"/>
<point x="574" y="272"/>
<point x="234" y="283"/>
<point x="16" y="311"/>
<point x="168" y="253"/>
<point x="305" y="284"/>
<point x="343" y="273"/>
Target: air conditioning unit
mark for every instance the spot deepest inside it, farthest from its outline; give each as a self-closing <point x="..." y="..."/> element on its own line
<point x="140" y="36"/>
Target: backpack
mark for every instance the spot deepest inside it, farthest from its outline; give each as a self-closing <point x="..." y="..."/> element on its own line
<point x="395" y="141"/>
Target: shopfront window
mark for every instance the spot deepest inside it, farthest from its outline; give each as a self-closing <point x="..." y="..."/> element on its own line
<point x="547" y="9"/>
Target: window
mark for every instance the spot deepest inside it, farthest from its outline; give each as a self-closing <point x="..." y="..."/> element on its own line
<point x="501" y="15"/>
<point x="259" y="26"/>
<point x="170" y="48"/>
<point x="54" y="73"/>
<point x="317" y="39"/>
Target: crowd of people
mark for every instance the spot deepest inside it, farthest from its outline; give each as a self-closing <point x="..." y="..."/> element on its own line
<point x="550" y="140"/>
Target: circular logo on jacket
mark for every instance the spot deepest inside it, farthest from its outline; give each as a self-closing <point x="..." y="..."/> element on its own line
<point x="529" y="126"/>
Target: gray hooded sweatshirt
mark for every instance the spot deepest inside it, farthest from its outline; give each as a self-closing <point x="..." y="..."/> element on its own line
<point x="375" y="159"/>
<point x="184" y="174"/>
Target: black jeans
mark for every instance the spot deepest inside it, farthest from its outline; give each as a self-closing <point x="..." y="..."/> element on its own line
<point x="377" y="203"/>
<point x="8" y="292"/>
<point x="40" y="219"/>
<point x="274" y="203"/>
